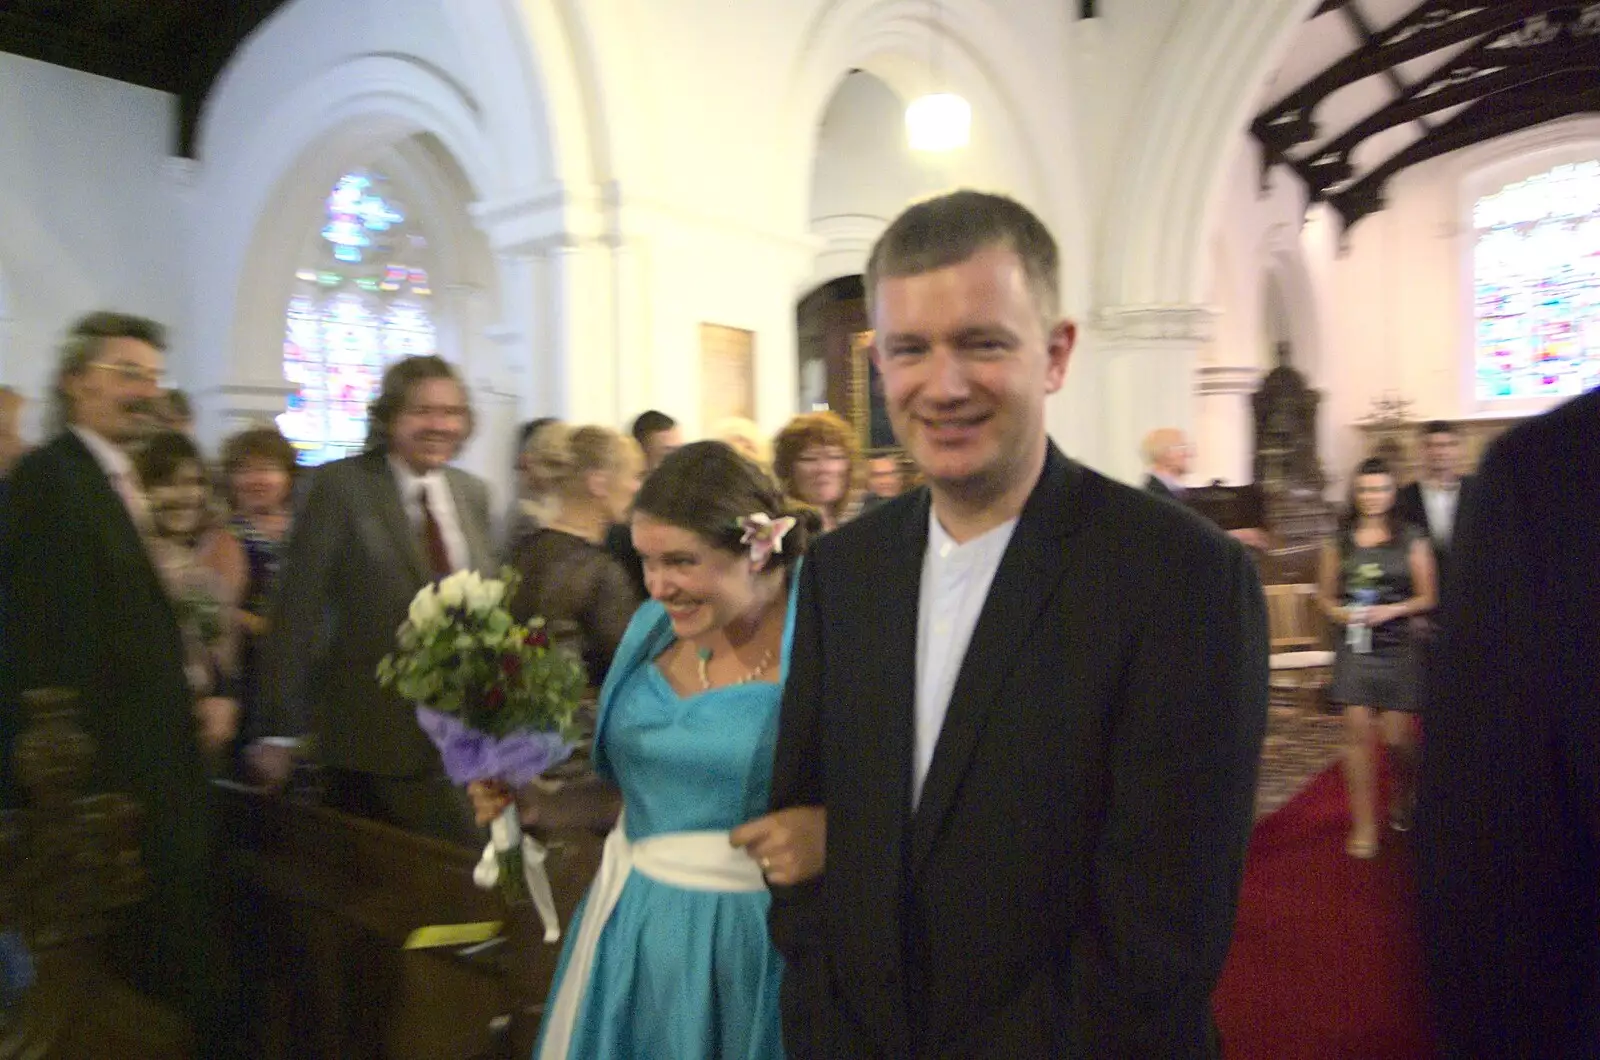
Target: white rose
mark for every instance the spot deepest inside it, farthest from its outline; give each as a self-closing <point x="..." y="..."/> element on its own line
<point x="484" y="594"/>
<point x="452" y="591"/>
<point x="425" y="609"/>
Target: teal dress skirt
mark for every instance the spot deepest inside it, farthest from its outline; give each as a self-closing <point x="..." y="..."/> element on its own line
<point x="679" y="973"/>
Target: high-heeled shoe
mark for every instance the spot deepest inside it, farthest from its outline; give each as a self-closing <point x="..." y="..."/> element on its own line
<point x="1364" y="849"/>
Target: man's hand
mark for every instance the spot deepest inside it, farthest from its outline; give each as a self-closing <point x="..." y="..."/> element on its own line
<point x="219" y="721"/>
<point x="270" y="763"/>
<point x="1252" y="536"/>
<point x="790" y="845"/>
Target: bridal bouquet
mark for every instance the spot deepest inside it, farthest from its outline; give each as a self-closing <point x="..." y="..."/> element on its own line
<point x="497" y="700"/>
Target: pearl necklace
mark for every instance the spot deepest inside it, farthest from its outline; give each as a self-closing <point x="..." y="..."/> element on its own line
<point x="703" y="655"/>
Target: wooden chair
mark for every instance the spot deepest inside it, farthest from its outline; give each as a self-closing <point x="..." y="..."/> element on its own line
<point x="1301" y="664"/>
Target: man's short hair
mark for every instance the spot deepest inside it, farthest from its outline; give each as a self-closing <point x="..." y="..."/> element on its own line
<point x="1437" y="427"/>
<point x="948" y="229"/>
<point x="649" y="423"/>
<point x="398" y="382"/>
<point x="86" y="340"/>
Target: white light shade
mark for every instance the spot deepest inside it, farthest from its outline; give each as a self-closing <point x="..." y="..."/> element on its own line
<point x="940" y="122"/>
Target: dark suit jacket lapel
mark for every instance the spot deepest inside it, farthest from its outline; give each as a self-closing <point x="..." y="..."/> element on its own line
<point x="112" y="518"/>
<point x="479" y="554"/>
<point x="896" y="583"/>
<point x="1024" y="582"/>
<point x="391" y="512"/>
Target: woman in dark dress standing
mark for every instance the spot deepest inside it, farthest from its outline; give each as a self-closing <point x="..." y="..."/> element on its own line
<point x="1376" y="576"/>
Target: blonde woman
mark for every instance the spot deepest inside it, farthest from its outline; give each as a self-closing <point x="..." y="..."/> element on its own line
<point x="587" y="477"/>
<point x="818" y="463"/>
<point x="745" y="438"/>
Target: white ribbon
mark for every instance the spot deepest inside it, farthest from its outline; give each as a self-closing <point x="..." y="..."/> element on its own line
<point x="505" y="831"/>
<point x="698" y="861"/>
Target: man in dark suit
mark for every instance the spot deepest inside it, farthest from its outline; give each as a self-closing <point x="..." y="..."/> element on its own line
<point x="1036" y="737"/>
<point x="1508" y="812"/>
<point x="1431" y="503"/>
<point x="374" y="529"/>
<point x="82" y="607"/>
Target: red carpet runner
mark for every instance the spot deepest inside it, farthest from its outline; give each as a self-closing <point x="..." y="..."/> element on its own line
<point x="1326" y="963"/>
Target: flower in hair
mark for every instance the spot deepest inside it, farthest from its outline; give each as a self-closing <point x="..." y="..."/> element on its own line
<point x="765" y="535"/>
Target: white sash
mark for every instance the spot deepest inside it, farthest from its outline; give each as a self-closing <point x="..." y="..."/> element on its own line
<point x="700" y="861"/>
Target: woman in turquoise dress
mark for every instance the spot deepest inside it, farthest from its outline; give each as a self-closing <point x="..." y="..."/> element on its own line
<point x="667" y="956"/>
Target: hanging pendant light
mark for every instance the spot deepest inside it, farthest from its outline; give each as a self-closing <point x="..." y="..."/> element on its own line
<point x="939" y="121"/>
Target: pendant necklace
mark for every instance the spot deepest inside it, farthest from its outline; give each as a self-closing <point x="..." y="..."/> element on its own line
<point x="703" y="655"/>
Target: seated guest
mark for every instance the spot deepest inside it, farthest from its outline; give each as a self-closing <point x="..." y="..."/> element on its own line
<point x="259" y="466"/>
<point x="1167" y="455"/>
<point x="569" y="578"/>
<point x="1166" y="459"/>
<point x="817" y="461"/>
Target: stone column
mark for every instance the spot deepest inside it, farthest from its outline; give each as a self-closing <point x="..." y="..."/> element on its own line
<point x="1224" y="425"/>
<point x="1148" y="380"/>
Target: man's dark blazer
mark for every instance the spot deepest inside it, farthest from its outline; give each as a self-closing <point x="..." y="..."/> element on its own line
<point x="1508" y="816"/>
<point x="81" y="606"/>
<point x="351" y="568"/>
<point x="1409" y="507"/>
<point x="1160" y="489"/>
<point x="1066" y="887"/>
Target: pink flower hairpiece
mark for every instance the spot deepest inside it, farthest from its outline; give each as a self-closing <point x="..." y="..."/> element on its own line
<point x="765" y="535"/>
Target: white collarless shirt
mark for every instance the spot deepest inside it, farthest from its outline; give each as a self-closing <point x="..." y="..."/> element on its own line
<point x="955" y="584"/>
<point x="440" y="502"/>
<point x="1439" y="503"/>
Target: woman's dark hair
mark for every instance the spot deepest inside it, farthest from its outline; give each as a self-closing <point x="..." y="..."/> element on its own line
<point x="162" y="455"/>
<point x="708" y="488"/>
<point x="1372" y="465"/>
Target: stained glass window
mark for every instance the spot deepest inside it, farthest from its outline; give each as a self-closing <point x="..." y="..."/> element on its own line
<point x="1536" y="286"/>
<point x="360" y="302"/>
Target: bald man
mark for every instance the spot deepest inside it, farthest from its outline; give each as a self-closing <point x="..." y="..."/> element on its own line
<point x="1167" y="453"/>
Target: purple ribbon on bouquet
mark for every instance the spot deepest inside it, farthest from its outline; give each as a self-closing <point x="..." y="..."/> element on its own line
<point x="472" y="755"/>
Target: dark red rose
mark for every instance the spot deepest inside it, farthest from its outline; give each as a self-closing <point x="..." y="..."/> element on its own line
<point x="538" y="638"/>
<point x="510" y="665"/>
<point x="495" y="698"/>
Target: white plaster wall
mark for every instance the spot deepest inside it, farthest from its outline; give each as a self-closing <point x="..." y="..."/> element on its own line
<point x="1398" y="305"/>
<point x="87" y="212"/>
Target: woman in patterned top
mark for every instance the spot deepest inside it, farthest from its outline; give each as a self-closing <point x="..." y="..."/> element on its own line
<point x="259" y="466"/>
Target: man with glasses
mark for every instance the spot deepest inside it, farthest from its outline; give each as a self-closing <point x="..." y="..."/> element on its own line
<point x="82" y="607"/>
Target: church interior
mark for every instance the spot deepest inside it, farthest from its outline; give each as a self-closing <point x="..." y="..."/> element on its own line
<point x="1299" y="234"/>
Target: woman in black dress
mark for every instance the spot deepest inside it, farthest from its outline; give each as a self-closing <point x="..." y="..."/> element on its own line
<point x="1376" y="576"/>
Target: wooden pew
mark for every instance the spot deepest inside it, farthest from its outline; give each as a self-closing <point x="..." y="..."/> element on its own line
<point x="324" y="903"/>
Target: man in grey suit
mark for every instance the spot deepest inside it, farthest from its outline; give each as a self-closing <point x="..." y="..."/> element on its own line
<point x="373" y="530"/>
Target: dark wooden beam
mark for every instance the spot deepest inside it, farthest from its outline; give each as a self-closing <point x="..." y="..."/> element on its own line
<point x="1555" y="96"/>
<point x="1429" y="28"/>
<point x="80" y="46"/>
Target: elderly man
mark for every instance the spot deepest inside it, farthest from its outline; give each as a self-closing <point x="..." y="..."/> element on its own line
<point x="374" y="529"/>
<point x="82" y="607"/>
